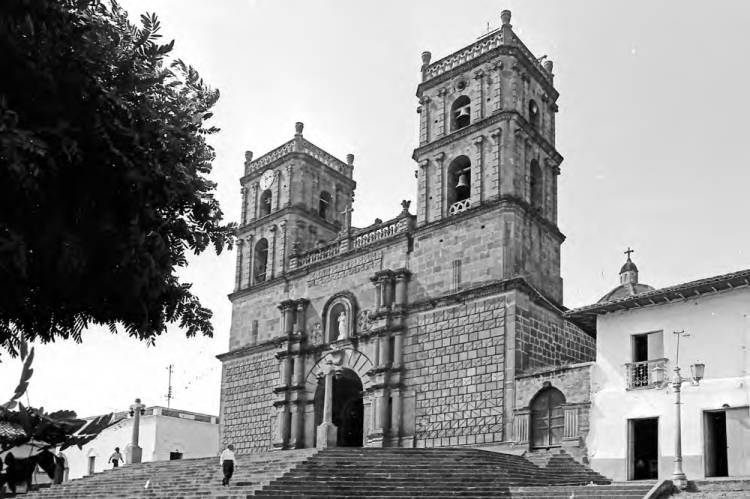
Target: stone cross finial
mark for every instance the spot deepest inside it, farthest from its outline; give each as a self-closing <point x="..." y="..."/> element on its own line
<point x="629" y="251"/>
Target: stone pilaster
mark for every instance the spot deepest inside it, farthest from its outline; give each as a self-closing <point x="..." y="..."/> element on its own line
<point x="479" y="111"/>
<point x="243" y="214"/>
<point x="438" y="188"/>
<point x="477" y="167"/>
<point x="254" y="197"/>
<point x="282" y="226"/>
<point x="495" y="146"/>
<point x="238" y="266"/>
<point x="498" y="93"/>
<point x="442" y="123"/>
<point x="277" y="195"/>
<point x="250" y="259"/>
<point x="271" y="261"/>
<point x="289" y="184"/>
<point x="423" y="187"/>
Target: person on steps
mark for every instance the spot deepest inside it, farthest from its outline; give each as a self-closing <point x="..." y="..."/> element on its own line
<point x="115" y="458"/>
<point x="226" y="461"/>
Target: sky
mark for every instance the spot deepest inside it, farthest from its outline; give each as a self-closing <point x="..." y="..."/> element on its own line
<point x="652" y="124"/>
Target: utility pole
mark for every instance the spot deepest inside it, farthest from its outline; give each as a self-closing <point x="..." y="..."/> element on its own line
<point x="169" y="390"/>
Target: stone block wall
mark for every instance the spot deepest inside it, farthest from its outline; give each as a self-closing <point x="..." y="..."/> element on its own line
<point x="544" y="339"/>
<point x="453" y="360"/>
<point x="247" y="400"/>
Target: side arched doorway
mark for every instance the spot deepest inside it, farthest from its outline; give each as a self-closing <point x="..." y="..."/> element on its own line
<point x="547" y="418"/>
<point x="348" y="407"/>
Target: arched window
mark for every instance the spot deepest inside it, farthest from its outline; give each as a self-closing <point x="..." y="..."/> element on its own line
<point x="460" y="113"/>
<point x="536" y="185"/>
<point x="547" y="418"/>
<point x="265" y="203"/>
<point x="324" y="205"/>
<point x="459" y="184"/>
<point x="261" y="260"/>
<point x="533" y="113"/>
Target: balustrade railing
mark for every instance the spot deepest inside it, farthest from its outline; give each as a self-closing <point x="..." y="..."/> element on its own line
<point x="459" y="206"/>
<point x="642" y="375"/>
<point x="318" y="254"/>
<point x="385" y="231"/>
<point x="447" y="63"/>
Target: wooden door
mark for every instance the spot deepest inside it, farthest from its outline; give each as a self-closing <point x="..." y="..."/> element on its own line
<point x="738" y="441"/>
<point x="547" y="418"/>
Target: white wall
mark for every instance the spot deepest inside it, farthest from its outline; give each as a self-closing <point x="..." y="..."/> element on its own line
<point x="159" y="435"/>
<point x="719" y="328"/>
<point x="192" y="438"/>
<point x="104" y="445"/>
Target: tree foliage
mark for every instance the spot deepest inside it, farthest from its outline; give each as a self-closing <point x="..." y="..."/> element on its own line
<point x="103" y="174"/>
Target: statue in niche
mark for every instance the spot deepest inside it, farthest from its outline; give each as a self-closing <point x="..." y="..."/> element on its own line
<point x="343" y="329"/>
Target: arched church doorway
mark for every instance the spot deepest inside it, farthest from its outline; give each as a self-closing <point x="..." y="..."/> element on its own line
<point x="547" y="418"/>
<point x="348" y="407"/>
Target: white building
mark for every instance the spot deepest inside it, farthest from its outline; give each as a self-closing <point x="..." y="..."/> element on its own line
<point x="633" y="417"/>
<point x="164" y="434"/>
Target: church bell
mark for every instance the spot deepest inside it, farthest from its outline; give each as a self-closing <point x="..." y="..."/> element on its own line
<point x="463" y="181"/>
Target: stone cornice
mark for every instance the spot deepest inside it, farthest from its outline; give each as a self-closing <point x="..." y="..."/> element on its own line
<point x="488" y="205"/>
<point x="489" y="289"/>
<point x="506" y="115"/>
<point x="251" y="349"/>
<point x="307" y="269"/>
<point x="288" y="210"/>
<point x="298" y="155"/>
<point x="520" y="55"/>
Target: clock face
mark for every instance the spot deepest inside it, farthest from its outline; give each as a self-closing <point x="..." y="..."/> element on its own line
<point x="266" y="180"/>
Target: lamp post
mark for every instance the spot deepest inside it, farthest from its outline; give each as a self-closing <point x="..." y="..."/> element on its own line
<point x="679" y="479"/>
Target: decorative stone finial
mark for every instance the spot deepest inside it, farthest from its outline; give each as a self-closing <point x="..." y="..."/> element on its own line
<point x="298" y="127"/>
<point x="350" y="159"/>
<point x="548" y="65"/>
<point x="426" y="56"/>
<point x="505" y="17"/>
<point x="405" y="206"/>
<point x="248" y="156"/>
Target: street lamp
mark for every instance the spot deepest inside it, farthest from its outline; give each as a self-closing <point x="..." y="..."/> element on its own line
<point x="696" y="370"/>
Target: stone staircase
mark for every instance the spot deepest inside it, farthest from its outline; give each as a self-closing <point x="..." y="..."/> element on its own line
<point x="716" y="488"/>
<point x="185" y="478"/>
<point x="440" y="472"/>
<point x="354" y="472"/>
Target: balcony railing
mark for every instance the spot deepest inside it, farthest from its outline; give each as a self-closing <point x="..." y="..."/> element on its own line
<point x="642" y="374"/>
<point x="459" y="206"/>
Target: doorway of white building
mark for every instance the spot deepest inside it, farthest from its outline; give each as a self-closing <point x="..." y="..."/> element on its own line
<point x="726" y="435"/>
<point x="643" y="449"/>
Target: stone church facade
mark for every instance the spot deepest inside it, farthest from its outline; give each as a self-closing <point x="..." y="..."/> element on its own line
<point x="439" y="328"/>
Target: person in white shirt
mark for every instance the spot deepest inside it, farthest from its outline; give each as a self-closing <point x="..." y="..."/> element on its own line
<point x="226" y="461"/>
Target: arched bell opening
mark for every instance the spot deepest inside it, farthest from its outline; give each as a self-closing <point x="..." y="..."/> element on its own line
<point x="459" y="180"/>
<point x="348" y="407"/>
<point x="461" y="113"/>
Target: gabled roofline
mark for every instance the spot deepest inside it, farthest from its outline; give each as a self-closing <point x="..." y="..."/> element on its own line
<point x="586" y="316"/>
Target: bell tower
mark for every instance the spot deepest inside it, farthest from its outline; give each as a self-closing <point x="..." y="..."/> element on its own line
<point x="487" y="142"/>
<point x="294" y="198"/>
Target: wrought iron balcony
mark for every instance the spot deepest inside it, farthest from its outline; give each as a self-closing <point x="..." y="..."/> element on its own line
<point x="645" y="374"/>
